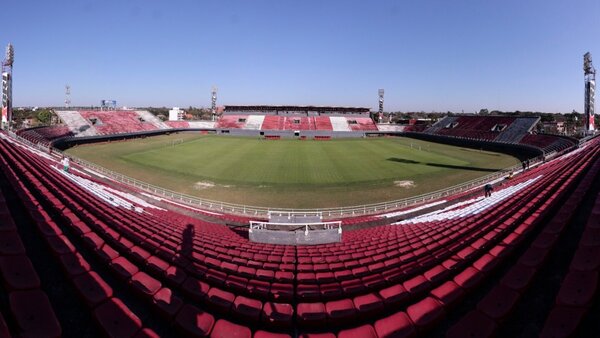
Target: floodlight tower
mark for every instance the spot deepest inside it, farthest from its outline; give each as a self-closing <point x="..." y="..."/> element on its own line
<point x="380" y="117"/>
<point x="589" y="74"/>
<point x="7" y="66"/>
<point x="213" y="106"/>
<point x="67" y="96"/>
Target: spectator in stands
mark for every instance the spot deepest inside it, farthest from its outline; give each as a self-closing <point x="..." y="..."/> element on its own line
<point x="524" y="165"/>
<point x="510" y="176"/>
<point x="488" y="190"/>
<point x="65" y="163"/>
<point x="527" y="162"/>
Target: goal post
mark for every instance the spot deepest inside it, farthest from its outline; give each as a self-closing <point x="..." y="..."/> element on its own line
<point x="176" y="142"/>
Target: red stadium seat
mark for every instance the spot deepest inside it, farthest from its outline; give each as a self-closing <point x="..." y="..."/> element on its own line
<point x="394" y="295"/>
<point x="123" y="268"/>
<point x="425" y="313"/>
<point x="396" y="325"/>
<point x="194" y="322"/>
<point x="195" y="288"/>
<point x="247" y="308"/>
<point x="474" y="324"/>
<point x="368" y="305"/>
<point x="518" y="277"/>
<point x="220" y="300"/>
<point x="33" y="314"/>
<point x="578" y="288"/>
<point x="116" y="320"/>
<point x="166" y="302"/>
<point x="469" y="278"/>
<point x="365" y="331"/>
<point x="499" y="302"/>
<point x="340" y="311"/>
<point x="448" y="293"/>
<point x="277" y="314"/>
<point x="18" y="273"/>
<point x="10" y="244"/>
<point x="92" y="288"/>
<point x="74" y="264"/>
<point x="311" y="314"/>
<point x="226" y="329"/>
<point x="562" y="322"/>
<point x="145" y="284"/>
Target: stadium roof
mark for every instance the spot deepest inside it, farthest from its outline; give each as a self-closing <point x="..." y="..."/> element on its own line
<point x="297" y="108"/>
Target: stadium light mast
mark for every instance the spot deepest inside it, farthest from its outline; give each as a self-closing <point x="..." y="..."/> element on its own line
<point x="7" y="66"/>
<point x="380" y="116"/>
<point x="67" y="96"/>
<point x="213" y="106"/>
<point x="589" y="73"/>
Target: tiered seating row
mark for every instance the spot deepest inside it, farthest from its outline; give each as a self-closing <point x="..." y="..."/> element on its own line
<point x="117" y="122"/>
<point x="548" y="143"/>
<point x="123" y="265"/>
<point x="284" y="122"/>
<point x="486" y="128"/>
<point x="110" y="312"/>
<point x="580" y="286"/>
<point x="503" y="298"/>
<point x="45" y="135"/>
<point x="448" y="292"/>
<point x="362" y="124"/>
<point x="29" y="304"/>
<point x="232" y="121"/>
<point x="476" y="127"/>
<point x="178" y="124"/>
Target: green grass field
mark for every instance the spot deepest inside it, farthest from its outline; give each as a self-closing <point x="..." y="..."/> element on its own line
<point x="293" y="173"/>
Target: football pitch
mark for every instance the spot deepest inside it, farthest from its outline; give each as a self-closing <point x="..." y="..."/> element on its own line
<point x="292" y="173"/>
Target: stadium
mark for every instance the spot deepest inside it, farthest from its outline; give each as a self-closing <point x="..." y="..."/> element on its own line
<point x="142" y="260"/>
<point x="274" y="221"/>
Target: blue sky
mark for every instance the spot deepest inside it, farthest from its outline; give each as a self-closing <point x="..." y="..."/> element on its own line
<point x="429" y="55"/>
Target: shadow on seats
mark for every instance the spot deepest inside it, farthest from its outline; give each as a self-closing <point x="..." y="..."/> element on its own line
<point x="187" y="244"/>
<point x="240" y="230"/>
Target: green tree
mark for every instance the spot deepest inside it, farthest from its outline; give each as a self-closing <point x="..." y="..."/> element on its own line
<point x="44" y="116"/>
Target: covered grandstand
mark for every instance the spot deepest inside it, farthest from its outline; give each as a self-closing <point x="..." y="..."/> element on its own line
<point x="83" y="123"/>
<point x="296" y="118"/>
<point x="500" y="129"/>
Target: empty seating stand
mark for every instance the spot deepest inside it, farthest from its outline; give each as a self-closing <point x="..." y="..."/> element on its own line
<point x="30" y="309"/>
<point x="135" y="271"/>
<point x="548" y="143"/>
<point x="178" y="124"/>
<point x="45" y="135"/>
<point x="505" y="129"/>
<point x="117" y="122"/>
<point x="361" y="124"/>
<point x="232" y="121"/>
<point x="477" y="127"/>
<point x="299" y="123"/>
